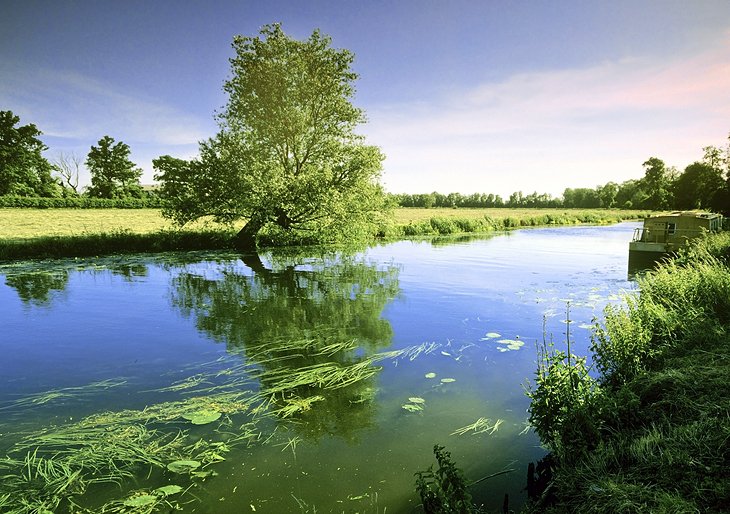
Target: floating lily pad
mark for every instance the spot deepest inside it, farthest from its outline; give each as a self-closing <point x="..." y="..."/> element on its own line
<point x="430" y="375"/>
<point x="411" y="407"/>
<point x="508" y="341"/>
<point x="140" y="500"/>
<point x="183" y="466"/>
<point x="167" y="490"/>
<point x="447" y="380"/>
<point x="492" y="335"/>
<point x="416" y="399"/>
<point x="204" y="474"/>
<point x="585" y="326"/>
<point x="202" y="417"/>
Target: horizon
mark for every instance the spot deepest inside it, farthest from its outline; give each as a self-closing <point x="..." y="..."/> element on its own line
<point x="462" y="98"/>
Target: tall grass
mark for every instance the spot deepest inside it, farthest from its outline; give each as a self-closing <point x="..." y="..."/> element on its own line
<point x="655" y="438"/>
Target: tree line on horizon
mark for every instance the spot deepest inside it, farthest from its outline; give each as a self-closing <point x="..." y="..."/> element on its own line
<point x="25" y="172"/>
<point x="704" y="184"/>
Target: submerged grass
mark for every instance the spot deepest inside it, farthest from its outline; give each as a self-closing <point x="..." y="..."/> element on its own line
<point x="653" y="437"/>
<point x="59" y="468"/>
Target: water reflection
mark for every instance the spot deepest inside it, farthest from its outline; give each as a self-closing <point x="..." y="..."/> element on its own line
<point x="38" y="288"/>
<point x="310" y="325"/>
<point x="41" y="284"/>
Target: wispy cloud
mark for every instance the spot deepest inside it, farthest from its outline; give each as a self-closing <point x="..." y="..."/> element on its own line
<point x="554" y="129"/>
<point x="66" y="104"/>
<point x="74" y="111"/>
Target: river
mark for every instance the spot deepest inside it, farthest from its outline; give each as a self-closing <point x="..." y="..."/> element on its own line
<point x="316" y="381"/>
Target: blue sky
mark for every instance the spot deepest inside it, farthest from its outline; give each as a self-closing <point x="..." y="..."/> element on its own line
<point x="462" y="96"/>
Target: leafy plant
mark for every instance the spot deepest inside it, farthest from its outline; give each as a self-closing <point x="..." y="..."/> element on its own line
<point x="562" y="399"/>
<point x="444" y="491"/>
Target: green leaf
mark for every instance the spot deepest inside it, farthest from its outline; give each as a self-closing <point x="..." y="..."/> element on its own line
<point x="140" y="500"/>
<point x="202" y="417"/>
<point x="447" y="380"/>
<point x="416" y="399"/>
<point x="412" y="407"/>
<point x="183" y="466"/>
<point x="167" y="490"/>
<point x="430" y="375"/>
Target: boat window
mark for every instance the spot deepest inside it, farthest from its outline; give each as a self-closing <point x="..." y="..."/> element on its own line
<point x="671" y="227"/>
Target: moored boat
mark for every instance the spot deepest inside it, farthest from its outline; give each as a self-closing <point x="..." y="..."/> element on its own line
<point x="665" y="234"/>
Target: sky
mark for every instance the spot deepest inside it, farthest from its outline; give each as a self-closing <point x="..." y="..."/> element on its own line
<point x="488" y="96"/>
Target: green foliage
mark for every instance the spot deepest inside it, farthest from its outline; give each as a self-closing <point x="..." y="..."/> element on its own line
<point x="287" y="155"/>
<point x="444" y="491"/>
<point x="697" y="186"/>
<point x="113" y="175"/>
<point x="147" y="201"/>
<point x="658" y="181"/>
<point x="23" y="170"/>
<point x="658" y="423"/>
<point x="104" y="243"/>
<point x="562" y="398"/>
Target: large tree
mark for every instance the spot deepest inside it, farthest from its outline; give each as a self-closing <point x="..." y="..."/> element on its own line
<point x="113" y="175"/>
<point x="287" y="156"/>
<point x="657" y="183"/>
<point x="23" y="169"/>
<point x="697" y="186"/>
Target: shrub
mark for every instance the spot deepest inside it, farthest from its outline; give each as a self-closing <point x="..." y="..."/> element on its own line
<point x="79" y="202"/>
<point x="443" y="226"/>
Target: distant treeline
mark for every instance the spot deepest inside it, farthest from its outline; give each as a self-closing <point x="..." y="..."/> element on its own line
<point x="704" y="184"/>
<point x="28" y="179"/>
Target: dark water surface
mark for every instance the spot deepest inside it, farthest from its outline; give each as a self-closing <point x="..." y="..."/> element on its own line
<point x="470" y="311"/>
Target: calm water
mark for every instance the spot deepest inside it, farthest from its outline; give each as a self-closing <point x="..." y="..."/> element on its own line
<point x="471" y="312"/>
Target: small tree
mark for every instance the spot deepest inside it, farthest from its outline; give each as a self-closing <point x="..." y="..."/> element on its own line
<point x="68" y="168"/>
<point x="113" y="175"/>
<point x="286" y="157"/>
<point x="23" y="169"/>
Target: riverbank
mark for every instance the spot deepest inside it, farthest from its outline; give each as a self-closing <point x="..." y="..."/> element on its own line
<point x="49" y="233"/>
<point x="650" y="433"/>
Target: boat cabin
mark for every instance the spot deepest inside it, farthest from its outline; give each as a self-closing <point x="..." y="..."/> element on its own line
<point x="667" y="233"/>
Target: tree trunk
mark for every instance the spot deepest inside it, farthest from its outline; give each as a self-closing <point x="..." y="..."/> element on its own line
<point x="246" y="238"/>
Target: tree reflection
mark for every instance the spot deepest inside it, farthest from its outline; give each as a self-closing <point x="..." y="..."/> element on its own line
<point x="40" y="284"/>
<point x="297" y="316"/>
<point x="38" y="288"/>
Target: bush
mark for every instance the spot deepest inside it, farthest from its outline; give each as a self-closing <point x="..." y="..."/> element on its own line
<point x="79" y="202"/>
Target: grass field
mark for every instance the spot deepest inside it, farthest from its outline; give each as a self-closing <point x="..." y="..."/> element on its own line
<point x="33" y="223"/>
<point x="49" y="233"/>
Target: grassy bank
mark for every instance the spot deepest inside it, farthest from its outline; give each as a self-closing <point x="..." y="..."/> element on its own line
<point x="651" y="433"/>
<point x="426" y="222"/>
<point x="39" y="233"/>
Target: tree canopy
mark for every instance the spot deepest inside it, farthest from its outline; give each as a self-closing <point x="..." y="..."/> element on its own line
<point x="287" y="157"/>
<point x="113" y="175"/>
<point x="23" y="169"/>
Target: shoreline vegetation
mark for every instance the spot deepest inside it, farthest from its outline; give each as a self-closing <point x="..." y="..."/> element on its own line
<point x="41" y="233"/>
<point x="649" y="431"/>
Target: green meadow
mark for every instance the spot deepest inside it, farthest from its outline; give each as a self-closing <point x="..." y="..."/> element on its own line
<point x="48" y="233"/>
